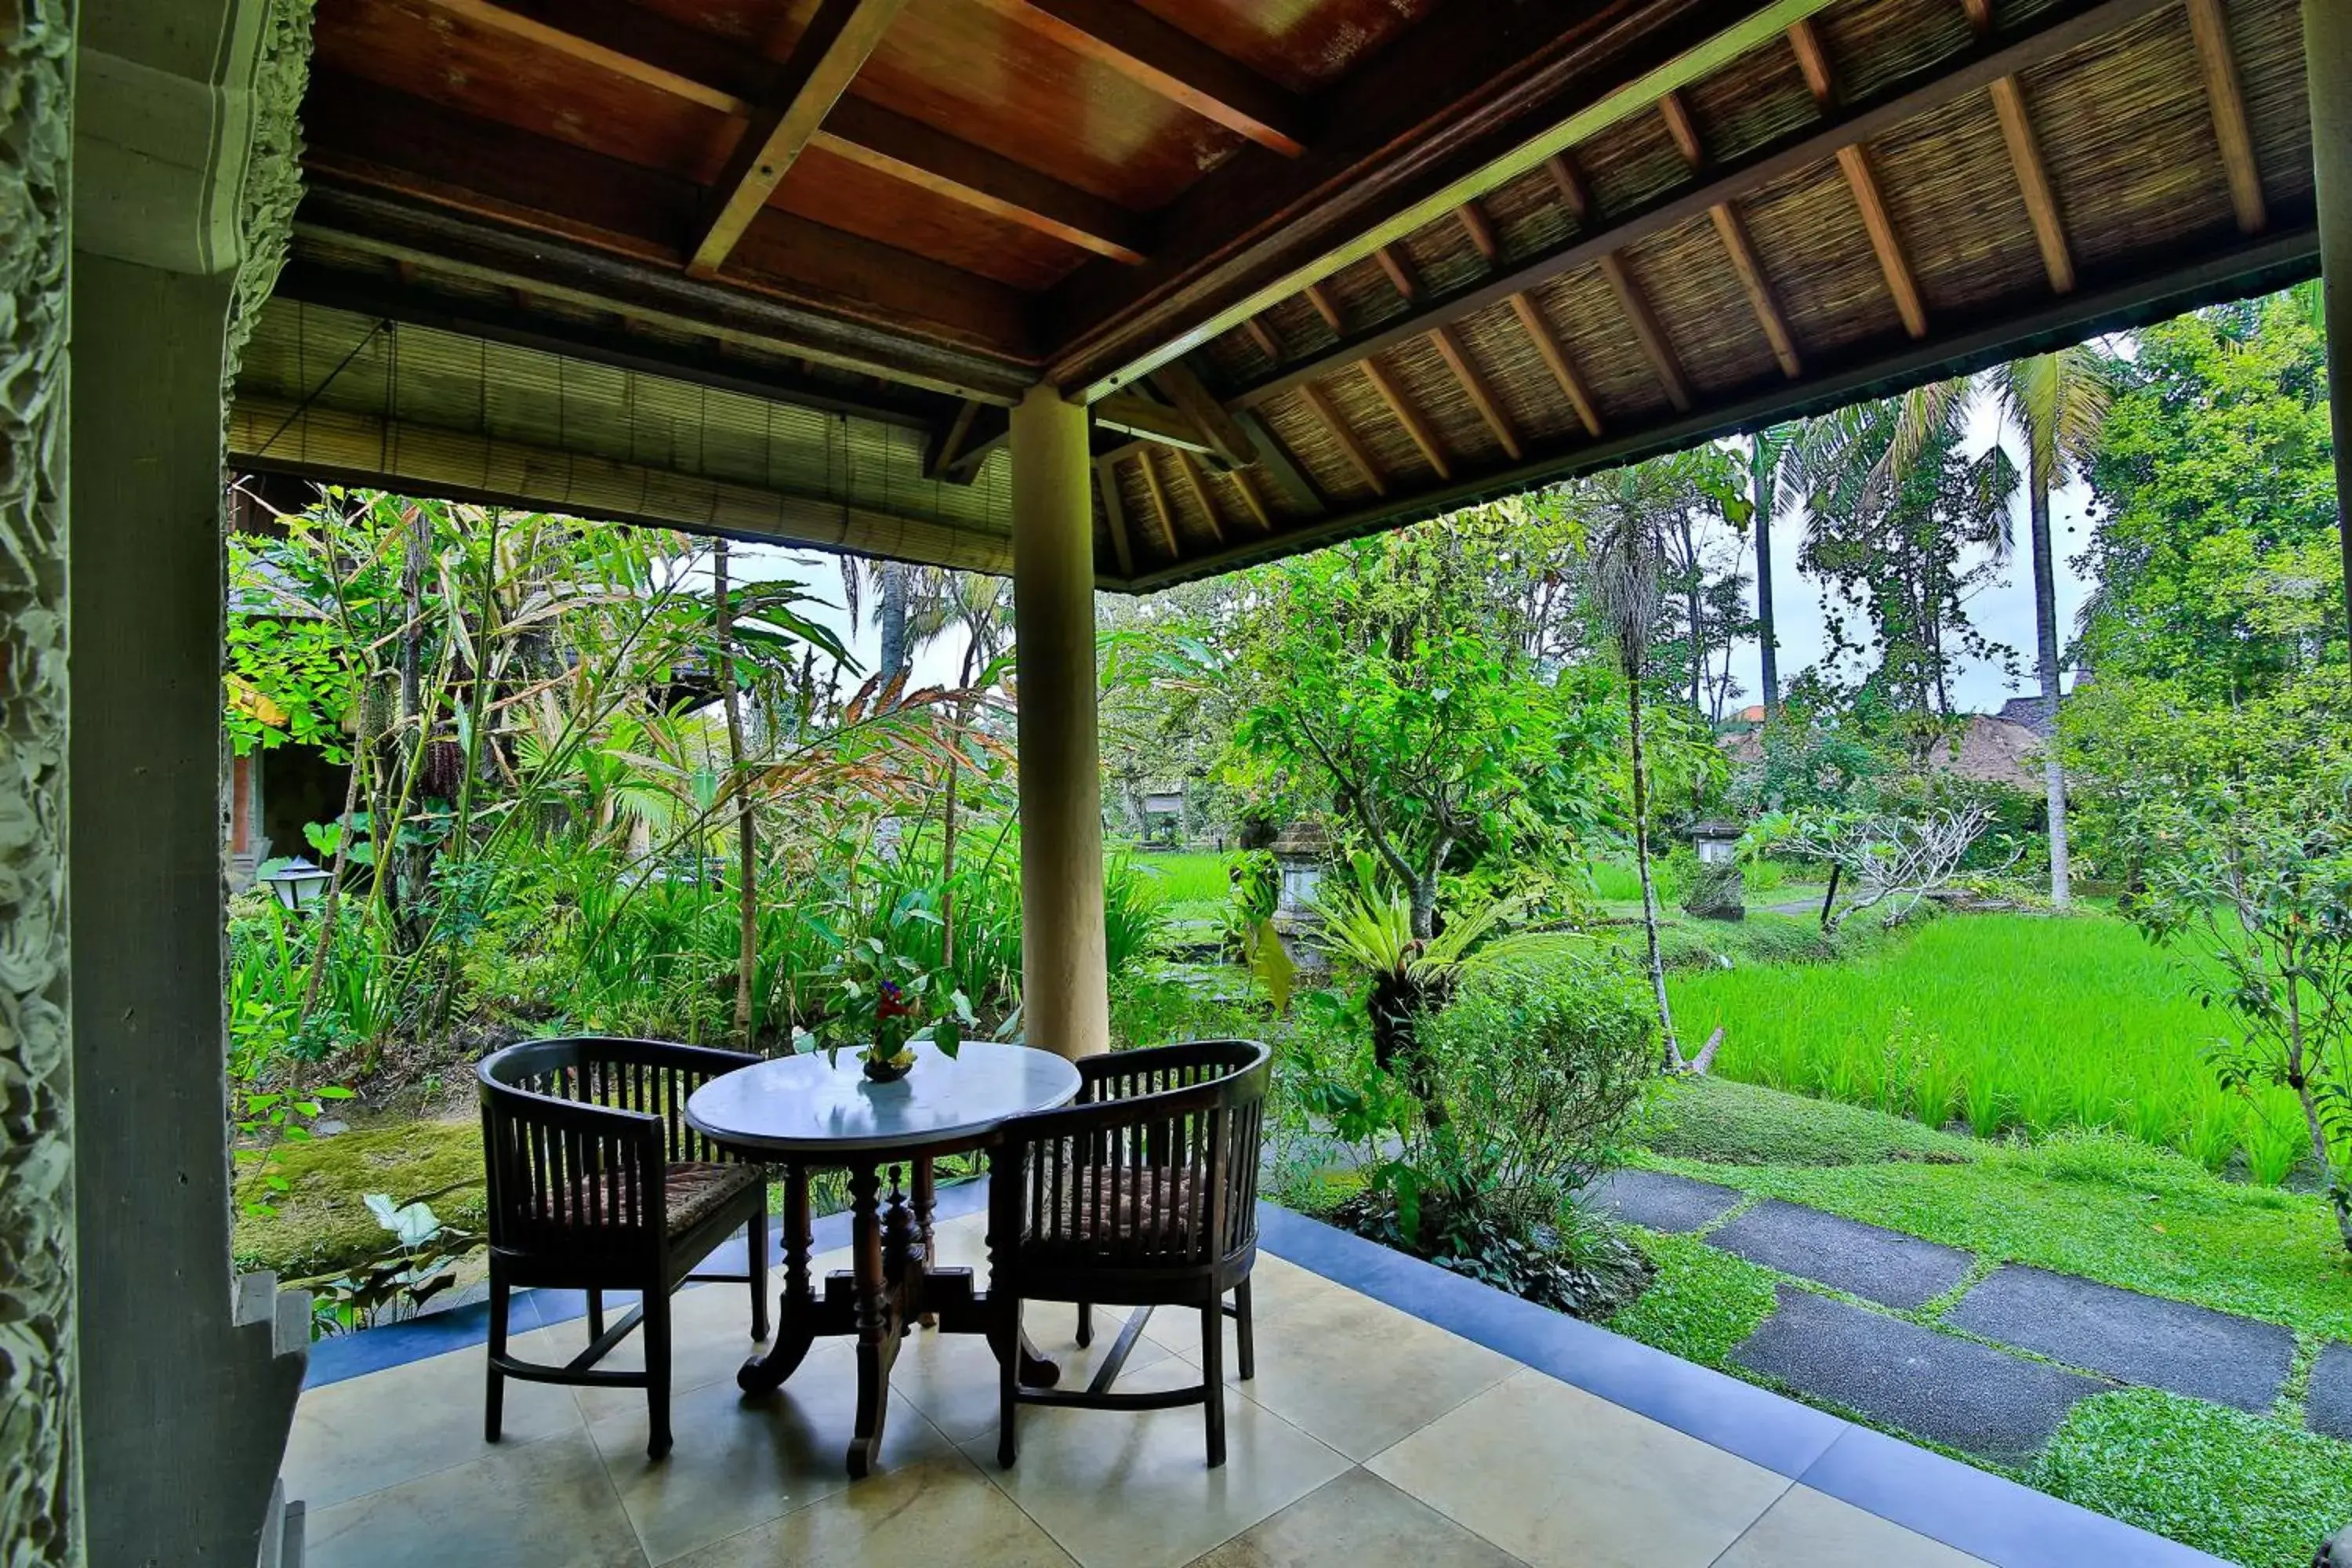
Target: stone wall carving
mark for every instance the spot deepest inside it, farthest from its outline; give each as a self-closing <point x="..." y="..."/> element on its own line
<point x="39" y="1519"/>
<point x="273" y="176"/>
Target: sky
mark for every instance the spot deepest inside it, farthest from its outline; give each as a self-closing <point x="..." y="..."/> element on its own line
<point x="2003" y="609"/>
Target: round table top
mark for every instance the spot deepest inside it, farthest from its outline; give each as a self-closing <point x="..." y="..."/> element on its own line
<point x="799" y="1105"/>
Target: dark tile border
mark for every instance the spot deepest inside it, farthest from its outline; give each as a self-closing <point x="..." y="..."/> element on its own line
<point x="396" y="1344"/>
<point x="1971" y="1511"/>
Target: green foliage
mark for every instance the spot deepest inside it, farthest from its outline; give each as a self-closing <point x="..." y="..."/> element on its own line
<point x="1702" y="1304"/>
<point x="880" y="1000"/>
<point x="420" y="1262"/>
<point x="2214" y="546"/>
<point x="2246" y="1488"/>
<point x="1728" y="1123"/>
<point x="2009" y="1022"/>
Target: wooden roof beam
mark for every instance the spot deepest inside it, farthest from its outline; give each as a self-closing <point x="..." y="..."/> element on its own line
<point x="1663" y="363"/>
<point x="1344" y="439"/>
<point x="1555" y="357"/>
<point x="1139" y="416"/>
<point x="1115" y="512"/>
<point x="1853" y="162"/>
<point x="1160" y="509"/>
<point x="1251" y="499"/>
<point x="947" y="444"/>
<point x="1190" y="467"/>
<point x="1171" y="62"/>
<point x="1227" y="439"/>
<point x="825" y="58"/>
<point x="1407" y="416"/>
<point x="2210" y="29"/>
<point x="2043" y="34"/>
<point x="2033" y="183"/>
<point x="1761" y="298"/>
<point x="1286" y="474"/>
<point x="1399" y="272"/>
<point x="1267" y="345"/>
<point x="1481" y="230"/>
<point x="1456" y="354"/>
<point x="1324" y="308"/>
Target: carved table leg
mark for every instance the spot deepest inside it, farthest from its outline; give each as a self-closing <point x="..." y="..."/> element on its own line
<point x="879" y="1318"/>
<point x="795" y="1315"/>
<point x="926" y="1200"/>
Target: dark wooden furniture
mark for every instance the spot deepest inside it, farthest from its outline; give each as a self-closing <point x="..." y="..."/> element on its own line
<point x="597" y="1183"/>
<point x="1144" y="1194"/>
<point x="805" y="1113"/>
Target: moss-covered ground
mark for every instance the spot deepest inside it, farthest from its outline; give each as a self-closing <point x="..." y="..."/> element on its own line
<point x="320" y="1224"/>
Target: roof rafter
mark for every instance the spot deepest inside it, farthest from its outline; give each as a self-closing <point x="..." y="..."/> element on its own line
<point x="1753" y="281"/>
<point x="1344" y="439"/>
<point x="1407" y="416"/>
<point x="1555" y="357"/>
<point x="1115" y="512"/>
<point x="1853" y="162"/>
<point x="1171" y="62"/>
<point x="1160" y="509"/>
<point x="825" y="58"/>
<point x="2033" y="183"/>
<point x="2210" y="29"/>
<point x="1663" y="363"/>
<point x="1190" y="467"/>
<point x="1251" y="499"/>
<point x="1227" y="439"/>
<point x="2043" y="34"/>
<point x="1457" y="355"/>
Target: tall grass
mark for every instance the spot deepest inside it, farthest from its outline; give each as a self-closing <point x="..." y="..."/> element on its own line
<point x="1186" y="877"/>
<point x="2008" y="1023"/>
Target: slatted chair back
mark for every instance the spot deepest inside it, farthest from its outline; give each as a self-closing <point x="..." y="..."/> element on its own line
<point x="578" y="1135"/>
<point x="1153" y="1172"/>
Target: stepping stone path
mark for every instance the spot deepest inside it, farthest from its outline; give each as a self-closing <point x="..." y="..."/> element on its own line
<point x="1657" y="1200"/>
<point x="2138" y="1339"/>
<point x="1954" y="1391"/>
<point x="2330" y="1406"/>
<point x="1883" y="1266"/>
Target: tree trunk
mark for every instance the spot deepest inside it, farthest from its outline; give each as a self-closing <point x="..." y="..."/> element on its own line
<point x="948" y="823"/>
<point x="2045" y="634"/>
<point x="1424" y="905"/>
<point x="897" y="658"/>
<point x="1641" y="865"/>
<point x="1695" y="611"/>
<point x="747" y="832"/>
<point x="1768" y="642"/>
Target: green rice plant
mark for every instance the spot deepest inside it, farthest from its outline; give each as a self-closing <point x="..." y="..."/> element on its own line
<point x="2275" y="1145"/>
<point x="2037" y="1025"/>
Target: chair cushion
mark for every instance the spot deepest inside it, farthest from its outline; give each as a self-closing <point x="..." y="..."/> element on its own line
<point x="1156" y="1202"/>
<point x="692" y="1191"/>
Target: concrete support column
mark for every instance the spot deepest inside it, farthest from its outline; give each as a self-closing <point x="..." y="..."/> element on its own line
<point x="2327" y="58"/>
<point x="1065" y="974"/>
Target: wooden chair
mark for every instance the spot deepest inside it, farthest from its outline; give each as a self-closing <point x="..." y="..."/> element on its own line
<point x="1142" y="1193"/>
<point x="597" y="1184"/>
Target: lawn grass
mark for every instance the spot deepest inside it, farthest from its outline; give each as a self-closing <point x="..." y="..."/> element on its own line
<point x="1715" y="1118"/>
<point x="2254" y="1491"/>
<point x="2009" y="1021"/>
<point x="1702" y="1304"/>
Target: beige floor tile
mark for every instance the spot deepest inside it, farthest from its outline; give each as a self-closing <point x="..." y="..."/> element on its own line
<point x="710" y="1338"/>
<point x="1359" y="1374"/>
<point x="367" y="1433"/>
<point x="951" y="1378"/>
<point x="1806" y="1529"/>
<point x="1275" y="1287"/>
<point x="740" y="1463"/>
<point x="547" y="1504"/>
<point x="1358" y="1522"/>
<point x="1556" y="1476"/>
<point x="1132" y="1489"/>
<point x="941" y="1510"/>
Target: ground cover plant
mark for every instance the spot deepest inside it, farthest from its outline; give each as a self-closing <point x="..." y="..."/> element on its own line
<point x="2257" y="1489"/>
<point x="2006" y="1023"/>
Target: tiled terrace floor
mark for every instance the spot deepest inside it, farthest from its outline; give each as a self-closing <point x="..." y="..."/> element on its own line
<point x="1369" y="1436"/>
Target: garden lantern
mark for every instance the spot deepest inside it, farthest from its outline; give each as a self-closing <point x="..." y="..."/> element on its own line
<point x="298" y="883"/>
<point x="1299" y="856"/>
<point x="1717" y="893"/>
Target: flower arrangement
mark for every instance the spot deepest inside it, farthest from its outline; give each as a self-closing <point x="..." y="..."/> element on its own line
<point x="884" y="1003"/>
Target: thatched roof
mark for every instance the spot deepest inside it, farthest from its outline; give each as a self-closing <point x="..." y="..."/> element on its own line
<point x="1991" y="750"/>
<point x="1319" y="269"/>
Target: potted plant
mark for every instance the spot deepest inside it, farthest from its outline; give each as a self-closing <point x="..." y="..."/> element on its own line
<point x="884" y="1003"/>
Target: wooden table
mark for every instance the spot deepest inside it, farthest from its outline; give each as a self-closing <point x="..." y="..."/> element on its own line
<point x="805" y="1114"/>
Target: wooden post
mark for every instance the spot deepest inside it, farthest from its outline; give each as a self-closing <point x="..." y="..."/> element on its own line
<point x="2327" y="64"/>
<point x="1065" y="982"/>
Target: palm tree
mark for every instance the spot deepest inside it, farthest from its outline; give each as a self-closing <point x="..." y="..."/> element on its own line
<point x="1628" y="558"/>
<point x="890" y="582"/>
<point x="940" y="600"/>
<point x="2059" y="401"/>
<point x="747" y="952"/>
<point x="1771" y="446"/>
<point x="2058" y="404"/>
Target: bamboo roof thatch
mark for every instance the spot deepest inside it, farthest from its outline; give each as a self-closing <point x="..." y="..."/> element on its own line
<point x="1320" y="269"/>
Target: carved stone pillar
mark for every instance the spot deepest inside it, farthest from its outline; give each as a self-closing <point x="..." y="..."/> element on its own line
<point x="39" y="1512"/>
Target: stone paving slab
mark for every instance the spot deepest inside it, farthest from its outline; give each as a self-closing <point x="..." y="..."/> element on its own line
<point x="1953" y="1390"/>
<point x="2329" y="1408"/>
<point x="1658" y="1200"/>
<point x="1883" y="1266"/>
<point x="2140" y="1339"/>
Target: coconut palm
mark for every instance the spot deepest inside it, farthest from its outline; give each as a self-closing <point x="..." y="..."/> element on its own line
<point x="1628" y="559"/>
<point x="1766" y="459"/>
<point x="2057" y="403"/>
<point x="889" y="583"/>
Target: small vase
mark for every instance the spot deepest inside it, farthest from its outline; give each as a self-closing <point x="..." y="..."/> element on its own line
<point x="881" y="1069"/>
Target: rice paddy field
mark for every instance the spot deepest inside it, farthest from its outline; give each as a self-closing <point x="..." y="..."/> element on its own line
<point x="1191" y="882"/>
<point x="2006" y="1023"/>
